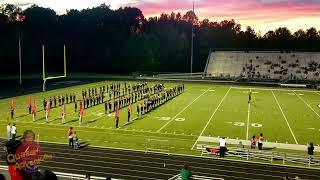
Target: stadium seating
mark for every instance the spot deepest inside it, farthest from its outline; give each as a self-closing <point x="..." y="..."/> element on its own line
<point x="264" y="65"/>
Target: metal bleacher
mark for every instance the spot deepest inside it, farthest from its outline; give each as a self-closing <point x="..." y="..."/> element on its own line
<point x="269" y="64"/>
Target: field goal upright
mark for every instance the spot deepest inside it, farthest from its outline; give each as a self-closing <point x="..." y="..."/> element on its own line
<point x="44" y="69"/>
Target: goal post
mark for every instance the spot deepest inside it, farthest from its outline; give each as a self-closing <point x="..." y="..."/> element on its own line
<point x="44" y="78"/>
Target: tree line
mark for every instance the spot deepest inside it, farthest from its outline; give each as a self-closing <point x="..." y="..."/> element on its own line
<point x="103" y="40"/>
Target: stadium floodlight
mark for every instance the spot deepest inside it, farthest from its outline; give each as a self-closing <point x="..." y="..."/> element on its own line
<point x="44" y="69"/>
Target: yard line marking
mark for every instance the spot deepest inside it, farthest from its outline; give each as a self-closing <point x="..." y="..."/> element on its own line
<point x="248" y="119"/>
<point x="182" y="110"/>
<point x="285" y="118"/>
<point x="306" y="104"/>
<point x="211" y="117"/>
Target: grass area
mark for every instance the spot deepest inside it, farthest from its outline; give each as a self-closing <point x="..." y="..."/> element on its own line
<point x="283" y="115"/>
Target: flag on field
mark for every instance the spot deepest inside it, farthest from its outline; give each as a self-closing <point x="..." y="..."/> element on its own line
<point x="48" y="107"/>
<point x="81" y="109"/>
<point x="117" y="111"/>
<point x="12" y="105"/>
<point x="34" y="108"/>
<point x="63" y="109"/>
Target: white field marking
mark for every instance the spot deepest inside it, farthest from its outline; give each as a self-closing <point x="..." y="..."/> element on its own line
<point x="211" y="117"/>
<point x="182" y="110"/>
<point x="248" y="120"/>
<point x="285" y="118"/>
<point x="311" y="128"/>
<point x="292" y="94"/>
<point x="270" y="89"/>
<point x="212" y="90"/>
<point x="253" y="92"/>
<point x="110" y="129"/>
<point x="306" y="103"/>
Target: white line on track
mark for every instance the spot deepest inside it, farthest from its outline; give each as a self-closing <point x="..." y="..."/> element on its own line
<point x="285" y="118"/>
<point x="182" y="111"/>
<point x="211" y="117"/>
<point x="248" y="119"/>
<point x="306" y="103"/>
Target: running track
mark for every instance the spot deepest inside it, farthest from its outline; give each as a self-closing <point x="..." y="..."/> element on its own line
<point x="125" y="164"/>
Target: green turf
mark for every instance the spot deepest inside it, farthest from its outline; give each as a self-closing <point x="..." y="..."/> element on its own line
<point x="203" y="109"/>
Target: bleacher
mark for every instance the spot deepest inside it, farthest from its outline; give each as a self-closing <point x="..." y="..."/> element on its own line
<point x="264" y="65"/>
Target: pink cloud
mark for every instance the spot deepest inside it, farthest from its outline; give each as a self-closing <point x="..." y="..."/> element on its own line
<point x="258" y="11"/>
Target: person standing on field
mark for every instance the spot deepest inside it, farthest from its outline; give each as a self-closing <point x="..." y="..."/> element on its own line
<point x="222" y="144"/>
<point x="8" y="132"/>
<point x="253" y="142"/>
<point x="185" y="172"/>
<point x="63" y="114"/>
<point x="260" y="141"/>
<point x="129" y="112"/>
<point x="34" y="111"/>
<point x="70" y="132"/>
<point x="14" y="131"/>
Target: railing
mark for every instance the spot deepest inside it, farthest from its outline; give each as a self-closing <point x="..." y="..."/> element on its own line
<point x="270" y="156"/>
<point x="195" y="177"/>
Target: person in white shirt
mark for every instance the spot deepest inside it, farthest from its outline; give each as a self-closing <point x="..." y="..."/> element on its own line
<point x="14" y="131"/>
<point x="8" y="132"/>
<point x="222" y="144"/>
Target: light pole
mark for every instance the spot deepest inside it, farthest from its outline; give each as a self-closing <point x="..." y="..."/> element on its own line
<point x="192" y="36"/>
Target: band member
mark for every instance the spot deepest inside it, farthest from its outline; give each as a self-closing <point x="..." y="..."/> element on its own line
<point x="105" y="107"/>
<point x="81" y="113"/>
<point x="34" y="111"/>
<point x="75" y="106"/>
<point x="12" y="109"/>
<point x="47" y="111"/>
<point x="129" y="112"/>
<point x="63" y="114"/>
<point x="117" y="115"/>
<point x="249" y="96"/>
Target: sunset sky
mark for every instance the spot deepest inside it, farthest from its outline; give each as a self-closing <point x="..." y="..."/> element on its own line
<point x="262" y="15"/>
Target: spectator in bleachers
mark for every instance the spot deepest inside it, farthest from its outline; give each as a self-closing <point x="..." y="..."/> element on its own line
<point x="185" y="172"/>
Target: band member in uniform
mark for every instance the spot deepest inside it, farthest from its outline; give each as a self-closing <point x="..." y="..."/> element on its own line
<point x="138" y="109"/>
<point x="75" y="106"/>
<point x="34" y="111"/>
<point x="117" y="115"/>
<point x="81" y="113"/>
<point x="63" y="118"/>
<point x="12" y="109"/>
<point x="129" y="112"/>
<point x="249" y="96"/>
<point x="105" y="107"/>
<point x="47" y="111"/>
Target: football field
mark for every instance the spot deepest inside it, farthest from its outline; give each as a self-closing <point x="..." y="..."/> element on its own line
<point x="290" y="116"/>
